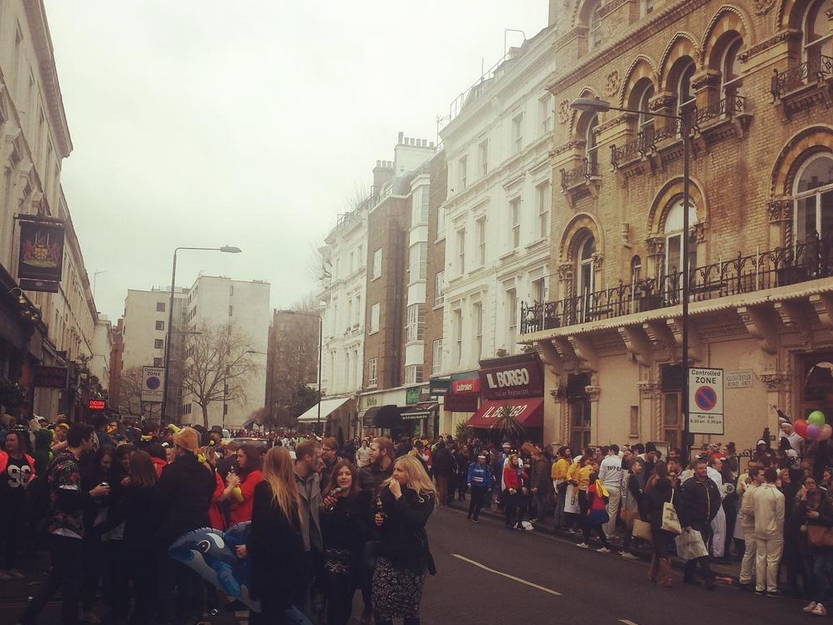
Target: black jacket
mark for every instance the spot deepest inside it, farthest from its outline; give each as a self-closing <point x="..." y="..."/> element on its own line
<point x="138" y="509"/>
<point x="443" y="462"/>
<point x="276" y="548"/>
<point x="403" y="539"/>
<point x="371" y="478"/>
<point x="185" y="490"/>
<point x="699" y="503"/>
<point x="656" y="499"/>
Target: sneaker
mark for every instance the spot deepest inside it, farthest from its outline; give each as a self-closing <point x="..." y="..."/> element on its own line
<point x="760" y="592"/>
<point x="4" y="576"/>
<point x="628" y="555"/>
<point x="570" y="532"/>
<point x="582" y="545"/>
<point x="603" y="550"/>
<point x="819" y="610"/>
<point x="749" y="587"/>
<point x="810" y="607"/>
<point x="16" y="574"/>
<point x="475" y="520"/>
<point x="773" y="593"/>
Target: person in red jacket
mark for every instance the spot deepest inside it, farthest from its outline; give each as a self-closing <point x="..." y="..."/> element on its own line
<point x="515" y="483"/>
<point x="240" y="485"/>
<point x="16" y="471"/>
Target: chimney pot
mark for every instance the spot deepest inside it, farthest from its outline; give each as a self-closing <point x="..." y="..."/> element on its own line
<point x="401" y="134"/>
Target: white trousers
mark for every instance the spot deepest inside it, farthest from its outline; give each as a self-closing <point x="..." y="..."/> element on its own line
<point x="767" y="556"/>
<point x="719" y="532"/>
<point x="747" y="567"/>
<point x="615" y="497"/>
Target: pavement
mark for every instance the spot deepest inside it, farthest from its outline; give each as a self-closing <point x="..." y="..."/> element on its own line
<point x="490" y="574"/>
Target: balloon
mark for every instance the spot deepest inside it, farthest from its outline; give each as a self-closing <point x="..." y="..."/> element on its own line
<point x="800" y="427"/>
<point x="826" y="432"/>
<point x="813" y="431"/>
<point x="817" y="417"/>
<point x="211" y="553"/>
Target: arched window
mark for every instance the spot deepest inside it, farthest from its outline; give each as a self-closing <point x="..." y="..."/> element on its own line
<point x="591" y="152"/>
<point x="685" y="96"/>
<point x="674" y="237"/>
<point x="730" y="82"/>
<point x="585" y="276"/>
<point x="594" y="27"/>
<point x="636" y="270"/>
<point x="816" y="37"/>
<point x="644" y="121"/>
<point x="814" y="198"/>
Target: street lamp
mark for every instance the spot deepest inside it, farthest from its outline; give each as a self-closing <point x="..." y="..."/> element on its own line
<point x="600" y="106"/>
<point x="226" y="249"/>
<point x="320" y="352"/>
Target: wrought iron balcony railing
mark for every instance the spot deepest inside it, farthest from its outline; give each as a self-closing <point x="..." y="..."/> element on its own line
<point x="809" y="260"/>
<point x="579" y="175"/>
<point x="816" y="68"/>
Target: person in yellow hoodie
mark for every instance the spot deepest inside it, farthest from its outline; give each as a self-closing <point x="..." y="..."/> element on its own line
<point x="578" y="481"/>
<point x="596" y="515"/>
<point x="559" y="482"/>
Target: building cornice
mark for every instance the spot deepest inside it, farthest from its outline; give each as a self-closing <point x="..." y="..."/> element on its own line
<point x="642" y="31"/>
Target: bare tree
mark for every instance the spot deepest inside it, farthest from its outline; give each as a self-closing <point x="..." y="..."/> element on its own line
<point x="130" y="395"/>
<point x="218" y="361"/>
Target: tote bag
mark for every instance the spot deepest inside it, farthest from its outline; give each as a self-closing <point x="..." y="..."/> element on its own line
<point x="670" y="520"/>
<point x="690" y="545"/>
<point x="642" y="529"/>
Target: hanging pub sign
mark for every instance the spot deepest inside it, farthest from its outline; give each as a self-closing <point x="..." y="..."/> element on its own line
<point x="41" y="254"/>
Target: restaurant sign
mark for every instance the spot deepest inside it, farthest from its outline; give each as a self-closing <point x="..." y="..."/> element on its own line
<point x="513" y="376"/>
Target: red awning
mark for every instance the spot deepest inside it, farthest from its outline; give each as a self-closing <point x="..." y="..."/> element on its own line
<point x="529" y="411"/>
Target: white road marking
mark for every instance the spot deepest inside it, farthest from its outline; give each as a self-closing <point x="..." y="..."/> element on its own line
<point x="626" y="621"/>
<point x="506" y="575"/>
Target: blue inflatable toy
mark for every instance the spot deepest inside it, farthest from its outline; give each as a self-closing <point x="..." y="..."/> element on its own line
<point x="213" y="555"/>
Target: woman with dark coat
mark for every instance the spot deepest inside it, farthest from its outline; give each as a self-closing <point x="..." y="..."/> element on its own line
<point x="407" y="501"/>
<point x="345" y="529"/>
<point x="654" y="502"/>
<point x="275" y="544"/>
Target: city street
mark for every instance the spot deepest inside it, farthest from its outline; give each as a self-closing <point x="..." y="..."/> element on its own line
<point x="488" y="574"/>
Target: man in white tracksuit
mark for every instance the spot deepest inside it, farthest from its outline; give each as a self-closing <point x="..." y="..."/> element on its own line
<point x="747" y="567"/>
<point x="768" y="506"/>
<point x="718" y="524"/>
<point x="611" y="476"/>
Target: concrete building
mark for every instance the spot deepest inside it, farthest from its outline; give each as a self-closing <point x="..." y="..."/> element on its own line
<point x="143" y="334"/>
<point x="755" y="82"/>
<point x="496" y="217"/>
<point x="217" y="303"/>
<point x="38" y="328"/>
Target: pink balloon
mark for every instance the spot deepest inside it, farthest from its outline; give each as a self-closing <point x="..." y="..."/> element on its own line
<point x="813" y="431"/>
<point x="826" y="432"/>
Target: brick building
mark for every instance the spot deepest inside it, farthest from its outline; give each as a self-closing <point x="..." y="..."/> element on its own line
<point x="755" y="82"/>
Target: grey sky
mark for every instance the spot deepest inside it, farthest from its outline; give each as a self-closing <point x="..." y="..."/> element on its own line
<point x="204" y="123"/>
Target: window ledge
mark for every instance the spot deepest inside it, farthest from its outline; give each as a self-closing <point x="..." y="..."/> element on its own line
<point x="438" y="306"/>
<point x="440" y="238"/>
<point x="536" y="243"/>
<point x="509" y="254"/>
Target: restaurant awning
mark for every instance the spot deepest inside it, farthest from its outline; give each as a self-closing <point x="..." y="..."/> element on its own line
<point x="528" y="411"/>
<point x="328" y="406"/>
<point x="389" y="416"/>
<point x="422" y="410"/>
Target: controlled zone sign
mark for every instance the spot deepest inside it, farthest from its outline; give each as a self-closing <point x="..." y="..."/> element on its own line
<point x="153" y="384"/>
<point x="705" y="401"/>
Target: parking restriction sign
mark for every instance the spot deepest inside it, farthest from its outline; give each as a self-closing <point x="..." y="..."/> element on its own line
<point x="705" y="401"/>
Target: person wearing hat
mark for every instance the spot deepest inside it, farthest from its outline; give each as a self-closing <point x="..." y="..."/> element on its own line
<point x="479" y="480"/>
<point x="185" y="490"/>
<point x="788" y="432"/>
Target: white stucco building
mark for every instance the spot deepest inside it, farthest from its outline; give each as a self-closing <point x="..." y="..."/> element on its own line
<point x="218" y="301"/>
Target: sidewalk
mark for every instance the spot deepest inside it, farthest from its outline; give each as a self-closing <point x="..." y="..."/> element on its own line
<point x="727" y="573"/>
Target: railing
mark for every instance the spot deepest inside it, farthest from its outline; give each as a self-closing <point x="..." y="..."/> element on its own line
<point x="818" y="67"/>
<point x="579" y="175"/>
<point x="480" y="86"/>
<point x="732" y="105"/>
<point x="809" y="260"/>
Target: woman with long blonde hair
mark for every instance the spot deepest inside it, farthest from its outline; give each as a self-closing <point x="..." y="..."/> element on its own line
<point x="407" y="501"/>
<point x="275" y="545"/>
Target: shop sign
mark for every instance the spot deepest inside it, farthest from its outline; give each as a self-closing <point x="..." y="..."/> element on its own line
<point x="50" y="377"/>
<point x="470" y="386"/>
<point x="97" y="404"/>
<point x="41" y="254"/>
<point x="460" y="403"/>
<point x="369" y="401"/>
<point x="506" y="378"/>
<point x="412" y="396"/>
<point x="439" y="387"/>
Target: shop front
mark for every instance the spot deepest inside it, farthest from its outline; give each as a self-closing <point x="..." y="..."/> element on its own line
<point x="460" y="401"/>
<point x="513" y="399"/>
<point x="332" y="416"/>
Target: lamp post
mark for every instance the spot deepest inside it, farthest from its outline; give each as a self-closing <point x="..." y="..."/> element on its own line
<point x="601" y="106"/>
<point x="320" y="352"/>
<point x="226" y="249"/>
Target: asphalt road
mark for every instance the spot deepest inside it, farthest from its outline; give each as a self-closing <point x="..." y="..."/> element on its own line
<point x="489" y="574"/>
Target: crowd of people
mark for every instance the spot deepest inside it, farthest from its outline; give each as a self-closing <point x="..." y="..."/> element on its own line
<point x="326" y="520"/>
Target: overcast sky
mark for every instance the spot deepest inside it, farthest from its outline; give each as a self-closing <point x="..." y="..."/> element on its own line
<point x="248" y="123"/>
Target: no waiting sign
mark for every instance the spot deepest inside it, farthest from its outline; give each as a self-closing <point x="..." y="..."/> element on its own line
<point x="153" y="383"/>
<point x="705" y="401"/>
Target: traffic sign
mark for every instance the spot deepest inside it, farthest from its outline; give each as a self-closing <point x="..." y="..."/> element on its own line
<point x="705" y="402"/>
<point x="153" y="383"/>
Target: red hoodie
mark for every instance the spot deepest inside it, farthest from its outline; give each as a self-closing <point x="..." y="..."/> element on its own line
<point x="511" y="478"/>
<point x="242" y="511"/>
<point x="159" y="464"/>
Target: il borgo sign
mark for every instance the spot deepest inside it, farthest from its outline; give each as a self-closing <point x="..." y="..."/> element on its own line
<point x="515" y="411"/>
<point x="511" y="377"/>
<point x="503" y="379"/>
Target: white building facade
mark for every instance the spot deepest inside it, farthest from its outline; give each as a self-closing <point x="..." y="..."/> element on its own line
<point x="496" y="219"/>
